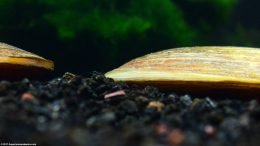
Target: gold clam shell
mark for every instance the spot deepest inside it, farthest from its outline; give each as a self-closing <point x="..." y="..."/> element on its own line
<point x="17" y="63"/>
<point x="194" y="68"/>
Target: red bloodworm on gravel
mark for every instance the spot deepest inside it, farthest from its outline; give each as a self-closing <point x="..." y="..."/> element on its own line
<point x="116" y="93"/>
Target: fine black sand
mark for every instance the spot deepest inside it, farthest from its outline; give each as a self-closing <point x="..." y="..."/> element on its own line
<point x="95" y="111"/>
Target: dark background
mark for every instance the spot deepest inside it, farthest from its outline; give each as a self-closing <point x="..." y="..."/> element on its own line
<point x="87" y="35"/>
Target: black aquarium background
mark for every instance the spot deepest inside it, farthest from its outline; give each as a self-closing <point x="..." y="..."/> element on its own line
<point x="86" y="35"/>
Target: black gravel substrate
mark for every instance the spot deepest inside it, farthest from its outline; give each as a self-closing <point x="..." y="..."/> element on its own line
<point x="95" y="111"/>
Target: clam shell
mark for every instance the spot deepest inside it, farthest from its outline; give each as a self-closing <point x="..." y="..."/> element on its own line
<point x="18" y="63"/>
<point x="194" y="68"/>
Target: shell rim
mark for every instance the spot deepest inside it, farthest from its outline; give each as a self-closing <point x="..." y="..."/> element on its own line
<point x="35" y="62"/>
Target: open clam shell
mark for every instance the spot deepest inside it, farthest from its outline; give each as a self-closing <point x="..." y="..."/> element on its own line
<point x="17" y="63"/>
<point x="194" y="68"/>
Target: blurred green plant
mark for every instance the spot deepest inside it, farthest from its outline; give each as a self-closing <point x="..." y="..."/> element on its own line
<point x="115" y="20"/>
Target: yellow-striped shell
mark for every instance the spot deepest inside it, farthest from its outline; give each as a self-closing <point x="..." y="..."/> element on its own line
<point x="18" y="63"/>
<point x="195" y="68"/>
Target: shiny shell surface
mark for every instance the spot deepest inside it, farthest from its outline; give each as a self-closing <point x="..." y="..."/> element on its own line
<point x="194" y="67"/>
<point x="18" y="63"/>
